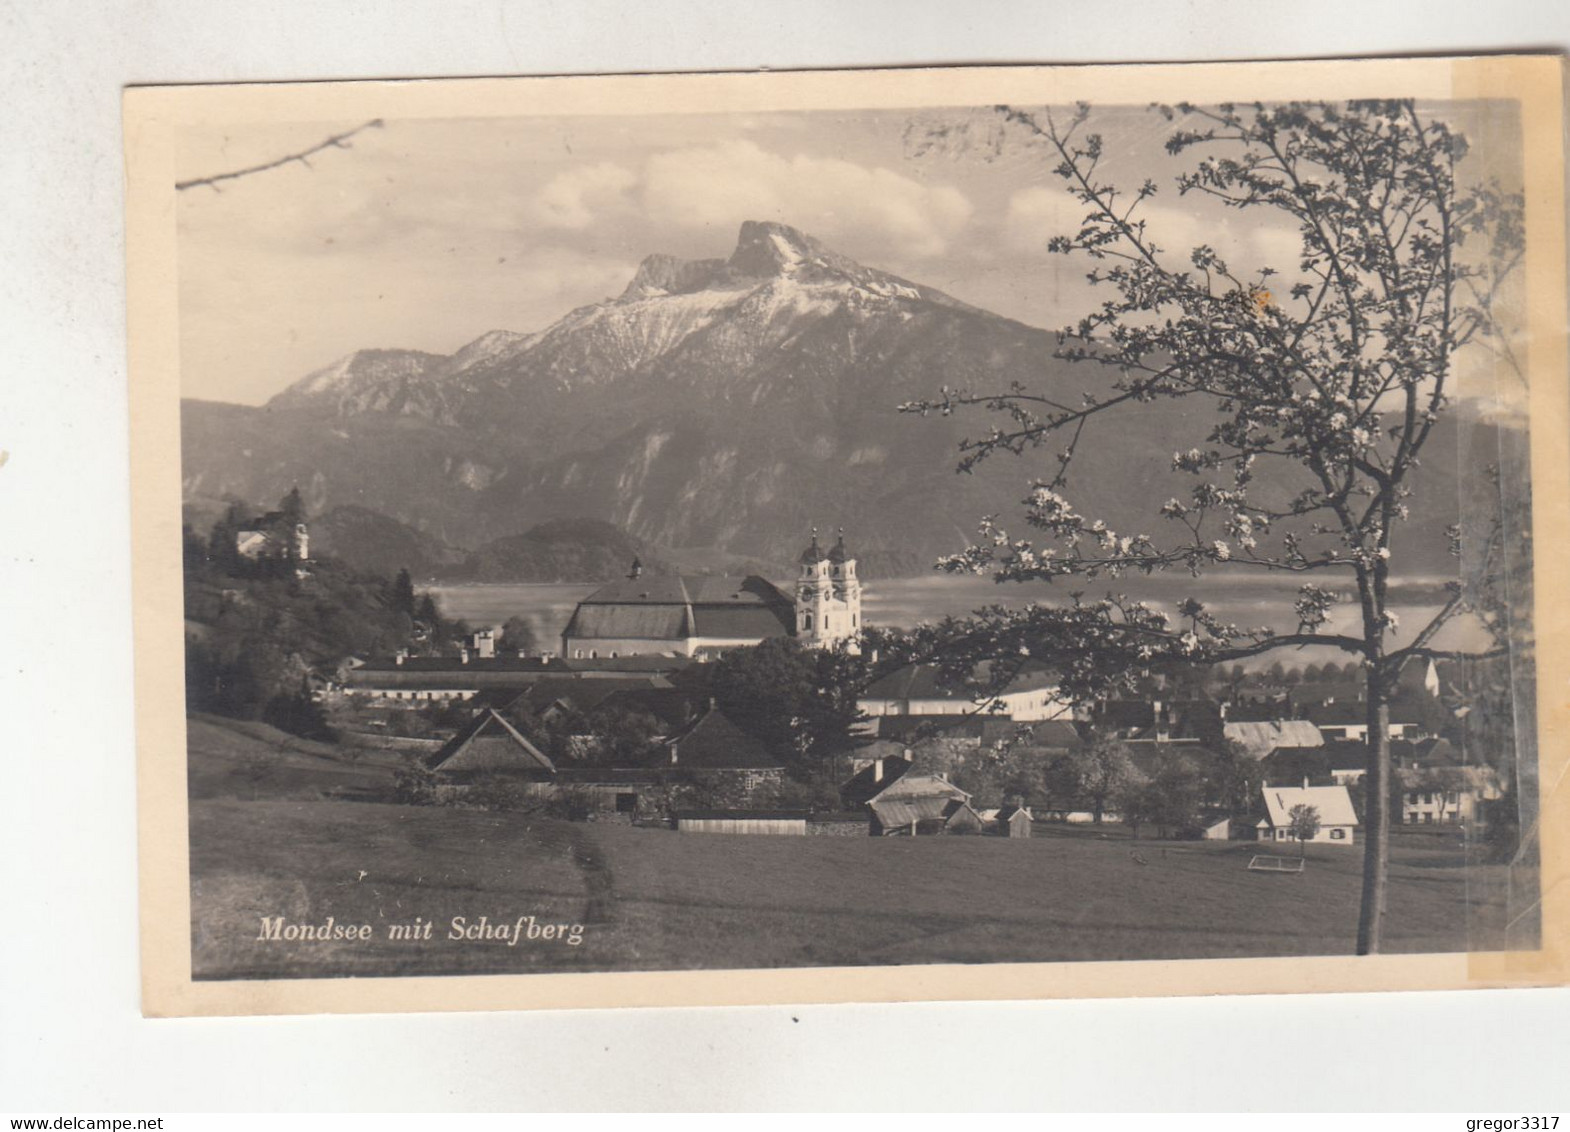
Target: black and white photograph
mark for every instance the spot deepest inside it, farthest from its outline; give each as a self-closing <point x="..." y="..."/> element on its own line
<point x="660" y="527"/>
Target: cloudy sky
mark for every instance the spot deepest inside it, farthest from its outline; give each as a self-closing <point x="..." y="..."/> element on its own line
<point x="426" y="234"/>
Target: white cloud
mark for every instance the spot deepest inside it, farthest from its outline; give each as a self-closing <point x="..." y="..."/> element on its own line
<point x="574" y="198"/>
<point x="1037" y="214"/>
<point x="720" y="186"/>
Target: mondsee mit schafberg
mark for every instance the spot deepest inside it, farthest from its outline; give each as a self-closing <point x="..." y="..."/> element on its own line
<point x="276" y="929"/>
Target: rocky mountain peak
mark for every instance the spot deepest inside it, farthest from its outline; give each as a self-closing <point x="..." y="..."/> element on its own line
<point x="661" y="274"/>
<point x="765" y="248"/>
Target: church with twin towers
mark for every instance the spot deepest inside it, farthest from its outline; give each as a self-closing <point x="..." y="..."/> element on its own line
<point x="703" y="616"/>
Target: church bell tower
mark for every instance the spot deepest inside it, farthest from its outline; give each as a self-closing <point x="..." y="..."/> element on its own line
<point x="828" y="595"/>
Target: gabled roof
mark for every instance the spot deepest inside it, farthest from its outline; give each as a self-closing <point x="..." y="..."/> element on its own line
<point x="713" y="742"/>
<point x="489" y="742"/>
<point x="1433" y="752"/>
<point x="1333" y="803"/>
<point x="1054" y="733"/>
<point x="909" y="786"/>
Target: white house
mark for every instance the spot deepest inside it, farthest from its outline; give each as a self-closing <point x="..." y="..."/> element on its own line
<point x="1337" y="818"/>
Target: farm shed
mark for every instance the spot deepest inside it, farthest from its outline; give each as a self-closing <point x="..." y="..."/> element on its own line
<point x="1014" y="821"/>
<point x="923" y="803"/>
<point x="777" y="823"/>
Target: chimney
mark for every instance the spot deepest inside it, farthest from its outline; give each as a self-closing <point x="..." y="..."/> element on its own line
<point x="400" y="656"/>
<point x="877" y="769"/>
<point x="636" y="569"/>
<point x="1305" y="782"/>
<point x="484" y="644"/>
<point x="463" y="656"/>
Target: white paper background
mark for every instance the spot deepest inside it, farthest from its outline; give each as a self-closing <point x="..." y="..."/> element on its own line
<point x="71" y="1037"/>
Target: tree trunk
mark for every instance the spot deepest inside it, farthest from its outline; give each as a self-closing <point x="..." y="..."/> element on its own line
<point x="1376" y="816"/>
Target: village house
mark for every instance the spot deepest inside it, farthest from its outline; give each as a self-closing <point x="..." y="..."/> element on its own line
<point x="1337" y="818"/>
<point x="922" y="804"/>
<point x="490" y="745"/>
<point x="274" y="537"/>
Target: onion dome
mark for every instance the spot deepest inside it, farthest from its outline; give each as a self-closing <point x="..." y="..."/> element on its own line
<point x="813" y="554"/>
<point x="839" y="554"/>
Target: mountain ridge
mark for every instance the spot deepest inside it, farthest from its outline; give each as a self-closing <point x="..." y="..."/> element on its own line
<point x="727" y="403"/>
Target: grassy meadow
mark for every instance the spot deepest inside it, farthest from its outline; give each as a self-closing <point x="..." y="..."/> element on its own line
<point x="299" y="845"/>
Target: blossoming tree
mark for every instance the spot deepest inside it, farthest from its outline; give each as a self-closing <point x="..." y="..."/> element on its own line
<point x="1334" y="369"/>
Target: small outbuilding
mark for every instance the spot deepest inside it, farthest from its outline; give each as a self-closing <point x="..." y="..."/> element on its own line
<point x="1015" y="821"/>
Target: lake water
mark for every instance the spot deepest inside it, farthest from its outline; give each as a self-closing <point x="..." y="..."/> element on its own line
<point x="1247" y="600"/>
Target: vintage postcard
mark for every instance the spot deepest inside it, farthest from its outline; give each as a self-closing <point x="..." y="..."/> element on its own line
<point x="850" y="536"/>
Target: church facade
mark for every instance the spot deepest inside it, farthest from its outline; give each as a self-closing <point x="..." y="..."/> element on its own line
<point x="703" y="616"/>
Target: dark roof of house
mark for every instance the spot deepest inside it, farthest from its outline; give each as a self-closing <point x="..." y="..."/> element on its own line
<point x="865" y="785"/>
<point x="1289" y="766"/>
<point x="1127" y="713"/>
<point x="489" y="742"/>
<point x="1432" y="752"/>
<point x="1259" y="712"/>
<point x="713" y="742"/>
<point x="1342" y="754"/>
<point x="1053" y="733"/>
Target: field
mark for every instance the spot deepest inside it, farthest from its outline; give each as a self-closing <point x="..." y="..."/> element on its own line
<point x="294" y="845"/>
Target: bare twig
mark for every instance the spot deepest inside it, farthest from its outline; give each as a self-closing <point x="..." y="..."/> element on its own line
<point x="337" y="141"/>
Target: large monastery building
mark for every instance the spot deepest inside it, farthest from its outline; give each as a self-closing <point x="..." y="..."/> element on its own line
<point x="703" y="616"/>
